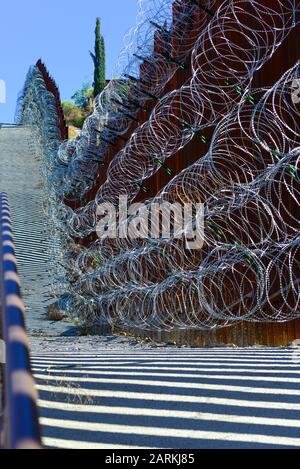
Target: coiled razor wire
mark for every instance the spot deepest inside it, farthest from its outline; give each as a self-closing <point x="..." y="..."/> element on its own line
<point x="117" y="108"/>
<point x="209" y="96"/>
<point x="248" y="268"/>
<point x="36" y="108"/>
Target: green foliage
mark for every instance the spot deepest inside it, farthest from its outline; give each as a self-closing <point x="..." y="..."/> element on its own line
<point x="74" y="115"/>
<point x="77" y="110"/>
<point x="99" y="61"/>
<point x="69" y="106"/>
<point x="103" y="62"/>
<point x="83" y="96"/>
<point x="80" y="108"/>
<point x="79" y="122"/>
<point x="71" y="111"/>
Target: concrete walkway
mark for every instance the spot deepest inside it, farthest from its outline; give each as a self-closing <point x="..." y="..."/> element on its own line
<point x="21" y="179"/>
<point x="116" y="393"/>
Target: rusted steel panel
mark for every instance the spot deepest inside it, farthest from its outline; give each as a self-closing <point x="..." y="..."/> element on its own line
<point x="52" y="87"/>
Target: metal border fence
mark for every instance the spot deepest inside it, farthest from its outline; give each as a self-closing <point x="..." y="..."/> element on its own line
<point x="21" y="428"/>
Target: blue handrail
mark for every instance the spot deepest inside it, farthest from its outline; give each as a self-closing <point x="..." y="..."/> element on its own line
<point x="21" y="423"/>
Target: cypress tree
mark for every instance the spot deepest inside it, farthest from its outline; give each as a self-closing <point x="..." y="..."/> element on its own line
<point x="103" y="63"/>
<point x="99" y="61"/>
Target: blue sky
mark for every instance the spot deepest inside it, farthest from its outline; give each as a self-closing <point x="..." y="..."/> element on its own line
<point x="61" y="32"/>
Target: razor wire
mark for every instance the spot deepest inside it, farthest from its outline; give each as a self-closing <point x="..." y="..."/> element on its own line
<point x="203" y="101"/>
<point x="248" y="268"/>
<point x="36" y="109"/>
<point x="144" y="71"/>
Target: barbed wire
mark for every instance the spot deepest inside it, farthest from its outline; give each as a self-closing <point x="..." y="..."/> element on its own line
<point x="248" y="268"/>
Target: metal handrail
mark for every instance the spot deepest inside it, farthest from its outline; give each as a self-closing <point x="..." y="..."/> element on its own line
<point x="21" y="423"/>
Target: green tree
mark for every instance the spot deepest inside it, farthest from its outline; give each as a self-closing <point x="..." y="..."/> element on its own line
<point x="103" y="62"/>
<point x="71" y="112"/>
<point x="99" y="61"/>
<point x="83" y="96"/>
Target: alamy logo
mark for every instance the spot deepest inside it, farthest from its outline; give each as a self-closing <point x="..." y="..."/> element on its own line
<point x="2" y="352"/>
<point x="296" y="91"/>
<point x="153" y="221"/>
<point x="2" y="92"/>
